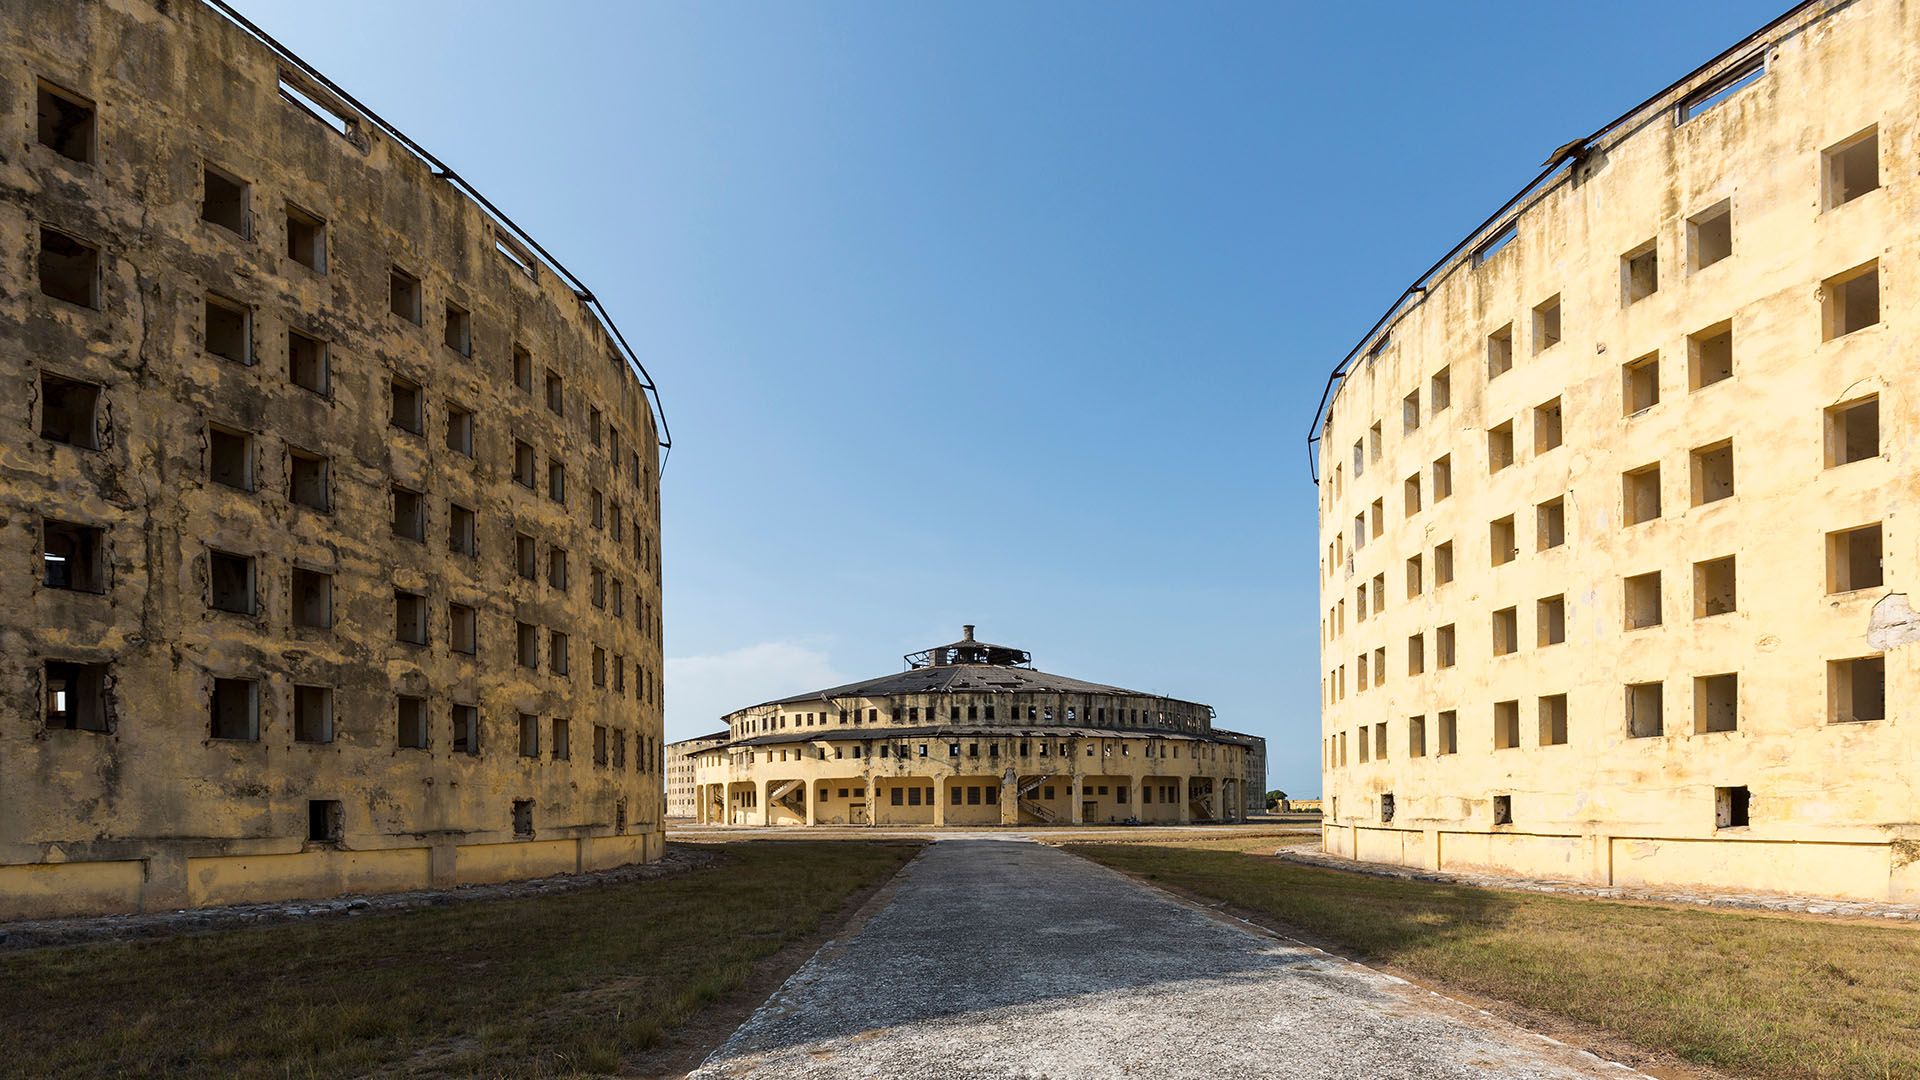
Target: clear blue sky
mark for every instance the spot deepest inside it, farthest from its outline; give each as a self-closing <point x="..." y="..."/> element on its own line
<point x="1011" y="314"/>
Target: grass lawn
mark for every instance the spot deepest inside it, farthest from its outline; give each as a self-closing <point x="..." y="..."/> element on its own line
<point x="1753" y="994"/>
<point x="550" y="985"/>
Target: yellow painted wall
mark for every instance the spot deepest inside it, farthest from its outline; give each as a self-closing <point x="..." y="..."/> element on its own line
<point x="1829" y="800"/>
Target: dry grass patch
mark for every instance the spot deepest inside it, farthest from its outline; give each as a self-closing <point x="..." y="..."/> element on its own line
<point x="552" y="985"/>
<point x="1756" y="994"/>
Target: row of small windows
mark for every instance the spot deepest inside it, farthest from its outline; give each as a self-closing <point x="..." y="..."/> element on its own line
<point x="1854" y="562"/>
<point x="73" y="559"/>
<point x="1043" y="714"/>
<point x="1024" y="748"/>
<point x="78" y="698"/>
<point x="1856" y="693"/>
<point x="1850" y="301"/>
<point x="1731" y="807"/>
<point x="69" y="411"/>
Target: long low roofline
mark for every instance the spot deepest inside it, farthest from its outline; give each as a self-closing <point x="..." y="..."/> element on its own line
<point x="500" y="219"/>
<point x="1566" y="155"/>
<point x="880" y="733"/>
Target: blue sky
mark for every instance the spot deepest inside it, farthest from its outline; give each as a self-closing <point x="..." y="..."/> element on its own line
<point x="1010" y="314"/>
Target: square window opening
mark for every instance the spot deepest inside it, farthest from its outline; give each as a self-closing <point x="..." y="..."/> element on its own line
<point x="306" y="239"/>
<point x="1710" y="356"/>
<point x="73" y="557"/>
<point x="1854" y="559"/>
<point x="1712" y="469"/>
<point x="69" y="269"/>
<point x="1851" y="301"/>
<point x="312" y="714"/>
<point x="230" y="582"/>
<point x="1851" y="168"/>
<point x="1853" y="431"/>
<point x="324" y="821"/>
<point x="1714" y="591"/>
<point x="1716" y="703"/>
<point x="1645" y="706"/>
<point x="1857" y="689"/>
<point x="223" y="201"/>
<point x="65" y="122"/>
<point x="234" y="707"/>
<point x="76" y="696"/>
<point x="312" y="598"/>
<point x="307" y="363"/>
<point x="403" y="294"/>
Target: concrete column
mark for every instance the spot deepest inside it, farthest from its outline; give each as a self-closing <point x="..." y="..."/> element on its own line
<point x="873" y="800"/>
<point x="812" y="794"/>
<point x="766" y="805"/>
<point x="1074" y="813"/>
<point x="940" y="802"/>
<point x="1183" y="801"/>
<point x="1009" y="798"/>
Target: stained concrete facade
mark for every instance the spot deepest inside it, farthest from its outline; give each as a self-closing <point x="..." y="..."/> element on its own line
<point x="970" y="734"/>
<point x="1253" y="767"/>
<point x="329" y="514"/>
<point x="1613" y="572"/>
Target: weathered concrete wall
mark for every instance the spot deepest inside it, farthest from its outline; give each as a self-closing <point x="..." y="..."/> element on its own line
<point x="1832" y="803"/>
<point x="155" y="812"/>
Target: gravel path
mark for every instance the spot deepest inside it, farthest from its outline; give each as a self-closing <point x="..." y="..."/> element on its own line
<point x="1004" y="958"/>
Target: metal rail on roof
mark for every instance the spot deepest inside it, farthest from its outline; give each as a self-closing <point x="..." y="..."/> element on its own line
<point x="1568" y="154"/>
<point x="499" y="218"/>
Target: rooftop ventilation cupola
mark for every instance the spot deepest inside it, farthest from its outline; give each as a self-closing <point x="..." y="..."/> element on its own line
<point x="970" y="651"/>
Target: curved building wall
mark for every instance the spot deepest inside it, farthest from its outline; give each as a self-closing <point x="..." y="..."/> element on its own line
<point x="1592" y="605"/>
<point x="299" y="652"/>
<point x="971" y="758"/>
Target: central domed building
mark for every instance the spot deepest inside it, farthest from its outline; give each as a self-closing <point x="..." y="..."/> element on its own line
<point x="971" y="734"/>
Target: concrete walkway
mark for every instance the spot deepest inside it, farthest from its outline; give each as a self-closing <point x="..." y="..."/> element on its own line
<point x="1003" y="958"/>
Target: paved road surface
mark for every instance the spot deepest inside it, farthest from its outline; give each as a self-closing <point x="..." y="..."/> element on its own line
<point x="1003" y="958"/>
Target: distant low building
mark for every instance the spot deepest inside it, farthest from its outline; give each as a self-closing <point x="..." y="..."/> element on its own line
<point x="1254" y="775"/>
<point x="680" y="772"/>
<point x="971" y="734"/>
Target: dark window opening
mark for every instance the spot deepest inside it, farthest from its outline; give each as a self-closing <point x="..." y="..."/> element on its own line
<point x="230" y="458"/>
<point x="312" y="714"/>
<point x="65" y="122"/>
<point x="72" y="556"/>
<point x="1503" y="809"/>
<point x="408" y="411"/>
<point x="466" y="729"/>
<point x="460" y="530"/>
<point x="307" y="363"/>
<point x="230" y="578"/>
<point x="76" y="696"/>
<point x="523" y="817"/>
<point x="229" y="330"/>
<point x="69" y="411"/>
<point x="223" y="201"/>
<point x="460" y="430"/>
<point x="409" y="514"/>
<point x="1857" y="689"/>
<point x="410" y="714"/>
<point x="69" y="269"/>
<point x="463" y="629"/>
<point x="1851" y="300"/>
<point x="1730" y="807"/>
<point x="410" y="618"/>
<point x="312" y="598"/>
<point x="458" y="333"/>
<point x="306" y="239"/>
<point x="325" y="821"/>
<point x="403" y="295"/>
<point x="307" y="481"/>
<point x="235" y="709"/>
